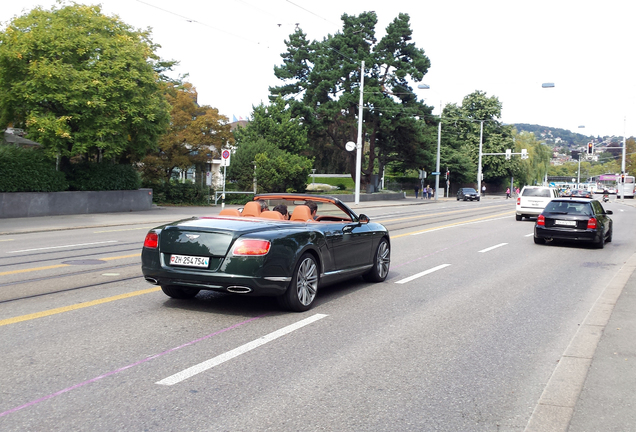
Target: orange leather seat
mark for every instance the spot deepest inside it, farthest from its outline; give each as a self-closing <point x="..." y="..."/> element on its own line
<point x="270" y="214"/>
<point x="229" y="212"/>
<point x="302" y="214"/>
<point x="252" y="209"/>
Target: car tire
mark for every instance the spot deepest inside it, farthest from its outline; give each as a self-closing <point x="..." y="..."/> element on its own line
<point x="601" y="242"/>
<point x="381" y="263"/>
<point x="180" y="293"/>
<point x="303" y="287"/>
<point x="538" y="240"/>
<point x="457" y="198"/>
<point x="518" y="217"/>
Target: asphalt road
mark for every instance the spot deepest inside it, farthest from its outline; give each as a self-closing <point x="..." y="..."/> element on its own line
<point x="464" y="335"/>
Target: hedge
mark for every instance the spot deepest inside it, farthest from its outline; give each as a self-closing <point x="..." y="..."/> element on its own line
<point x="28" y="170"/>
<point x="102" y="176"/>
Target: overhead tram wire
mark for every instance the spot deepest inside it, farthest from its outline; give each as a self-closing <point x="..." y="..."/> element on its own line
<point x="191" y="20"/>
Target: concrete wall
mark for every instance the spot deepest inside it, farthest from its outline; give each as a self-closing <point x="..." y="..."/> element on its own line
<point x="28" y="204"/>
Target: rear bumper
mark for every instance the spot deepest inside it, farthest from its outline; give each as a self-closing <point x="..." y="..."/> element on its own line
<point x="254" y="281"/>
<point x="567" y="234"/>
<point x="528" y="211"/>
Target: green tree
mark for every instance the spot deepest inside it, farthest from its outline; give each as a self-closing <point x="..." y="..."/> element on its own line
<point x="322" y="85"/>
<point x="533" y="169"/>
<point x="275" y="124"/>
<point x="82" y="83"/>
<point x="462" y="130"/>
<point x="196" y="133"/>
<point x="276" y="170"/>
<point x="272" y="142"/>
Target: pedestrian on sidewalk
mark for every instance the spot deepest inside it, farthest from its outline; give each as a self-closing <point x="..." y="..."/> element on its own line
<point x="507" y="193"/>
<point x="483" y="190"/>
<point x="417" y="189"/>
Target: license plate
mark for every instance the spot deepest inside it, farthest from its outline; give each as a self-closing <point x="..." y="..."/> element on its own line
<point x="189" y="261"/>
<point x="566" y="223"/>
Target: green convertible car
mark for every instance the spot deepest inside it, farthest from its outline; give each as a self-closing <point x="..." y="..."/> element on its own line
<point x="258" y="251"/>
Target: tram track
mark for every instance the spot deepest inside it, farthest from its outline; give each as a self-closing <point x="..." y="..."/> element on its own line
<point x="423" y="220"/>
<point x="67" y="257"/>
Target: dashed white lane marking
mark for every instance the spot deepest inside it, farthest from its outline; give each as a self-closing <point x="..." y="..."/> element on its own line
<point x="492" y="247"/>
<point x="208" y="364"/>
<point x="529" y="235"/>
<point x="424" y="273"/>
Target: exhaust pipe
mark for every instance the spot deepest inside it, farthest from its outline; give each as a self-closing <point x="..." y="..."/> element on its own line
<point x="239" y="289"/>
<point x="152" y="281"/>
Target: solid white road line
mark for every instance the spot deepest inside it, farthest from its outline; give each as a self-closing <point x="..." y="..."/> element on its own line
<point x="492" y="247"/>
<point x="456" y="225"/>
<point x="208" y="364"/>
<point x="529" y="235"/>
<point x="424" y="273"/>
<point x="65" y="246"/>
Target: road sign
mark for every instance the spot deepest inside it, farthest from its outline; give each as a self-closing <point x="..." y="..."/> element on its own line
<point x="435" y="173"/>
<point x="225" y="158"/>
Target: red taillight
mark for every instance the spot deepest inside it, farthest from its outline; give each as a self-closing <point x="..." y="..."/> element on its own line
<point x="251" y="247"/>
<point x="591" y="223"/>
<point x="541" y="220"/>
<point x="152" y="240"/>
<point x="518" y="201"/>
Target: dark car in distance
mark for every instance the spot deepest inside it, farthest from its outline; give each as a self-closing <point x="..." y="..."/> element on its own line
<point x="261" y="252"/>
<point x="466" y="194"/>
<point x="576" y="220"/>
<point x="581" y="193"/>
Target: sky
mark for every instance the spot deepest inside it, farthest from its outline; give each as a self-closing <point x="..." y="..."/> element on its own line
<point x="504" y="48"/>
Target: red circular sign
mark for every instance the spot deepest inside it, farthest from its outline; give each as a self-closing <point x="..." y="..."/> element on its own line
<point x="226" y="154"/>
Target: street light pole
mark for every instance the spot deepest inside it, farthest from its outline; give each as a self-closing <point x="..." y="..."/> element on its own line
<point x="623" y="173"/>
<point x="481" y="142"/>
<point x="439" y="142"/>
<point x="359" y="142"/>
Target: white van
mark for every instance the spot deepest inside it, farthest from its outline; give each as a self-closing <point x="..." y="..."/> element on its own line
<point x="533" y="199"/>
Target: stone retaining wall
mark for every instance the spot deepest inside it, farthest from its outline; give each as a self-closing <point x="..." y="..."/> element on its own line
<point x="29" y="204"/>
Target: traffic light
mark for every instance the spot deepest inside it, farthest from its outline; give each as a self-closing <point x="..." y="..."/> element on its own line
<point x="623" y="178"/>
<point x="590" y="148"/>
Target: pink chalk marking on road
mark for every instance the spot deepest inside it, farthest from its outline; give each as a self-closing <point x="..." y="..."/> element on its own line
<point x="116" y="371"/>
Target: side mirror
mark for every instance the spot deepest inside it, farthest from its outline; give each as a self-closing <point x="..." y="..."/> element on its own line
<point x="363" y="218"/>
<point x="609" y="212"/>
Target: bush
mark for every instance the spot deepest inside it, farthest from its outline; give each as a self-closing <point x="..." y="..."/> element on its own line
<point x="180" y="193"/>
<point x="28" y="170"/>
<point x="102" y="176"/>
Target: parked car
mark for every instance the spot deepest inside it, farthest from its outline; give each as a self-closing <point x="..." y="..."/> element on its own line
<point x="533" y="199"/>
<point x="574" y="219"/>
<point x="256" y="252"/>
<point x="467" y="194"/>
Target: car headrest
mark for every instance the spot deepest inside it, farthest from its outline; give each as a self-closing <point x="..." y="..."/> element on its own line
<point x="252" y="209"/>
<point x="302" y="214"/>
<point x="270" y="214"/>
<point x="229" y="212"/>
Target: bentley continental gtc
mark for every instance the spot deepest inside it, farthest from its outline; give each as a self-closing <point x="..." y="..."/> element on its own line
<point x="258" y="251"/>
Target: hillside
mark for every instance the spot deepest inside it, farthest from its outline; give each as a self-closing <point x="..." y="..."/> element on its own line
<point x="556" y="136"/>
